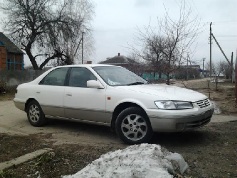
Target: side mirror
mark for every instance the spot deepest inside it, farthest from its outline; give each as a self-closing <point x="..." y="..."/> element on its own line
<point x="94" y="84"/>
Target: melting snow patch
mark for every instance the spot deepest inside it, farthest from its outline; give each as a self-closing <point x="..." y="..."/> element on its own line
<point x="216" y="108"/>
<point x="141" y="161"/>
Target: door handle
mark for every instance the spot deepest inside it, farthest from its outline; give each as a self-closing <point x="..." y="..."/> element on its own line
<point x="38" y="92"/>
<point x="68" y="94"/>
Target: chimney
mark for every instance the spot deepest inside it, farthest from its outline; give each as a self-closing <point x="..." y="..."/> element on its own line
<point x="118" y="54"/>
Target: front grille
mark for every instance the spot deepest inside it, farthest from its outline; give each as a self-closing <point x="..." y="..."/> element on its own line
<point x="203" y="103"/>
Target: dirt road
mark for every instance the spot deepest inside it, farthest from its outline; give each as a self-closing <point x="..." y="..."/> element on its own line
<point x="15" y="121"/>
<point x="210" y="151"/>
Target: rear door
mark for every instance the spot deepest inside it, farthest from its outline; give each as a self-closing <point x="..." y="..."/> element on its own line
<point x="50" y="92"/>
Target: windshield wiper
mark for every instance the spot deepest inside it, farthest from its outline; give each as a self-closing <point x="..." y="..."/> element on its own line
<point x="136" y="83"/>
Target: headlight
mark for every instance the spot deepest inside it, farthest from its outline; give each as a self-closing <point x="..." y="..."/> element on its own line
<point x="183" y="105"/>
<point x="173" y="105"/>
<point x="165" y="104"/>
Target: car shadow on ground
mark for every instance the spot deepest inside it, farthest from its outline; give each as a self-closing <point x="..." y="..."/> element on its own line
<point x="182" y="139"/>
<point x="76" y="127"/>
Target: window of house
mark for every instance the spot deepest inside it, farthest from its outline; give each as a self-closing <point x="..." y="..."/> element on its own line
<point x="15" y="62"/>
<point x="10" y="64"/>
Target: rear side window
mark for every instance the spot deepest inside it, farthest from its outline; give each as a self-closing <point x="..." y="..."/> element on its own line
<point x="56" y="77"/>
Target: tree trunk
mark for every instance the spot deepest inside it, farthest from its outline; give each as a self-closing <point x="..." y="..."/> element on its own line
<point x="216" y="80"/>
<point x="32" y="59"/>
<point x="168" y="79"/>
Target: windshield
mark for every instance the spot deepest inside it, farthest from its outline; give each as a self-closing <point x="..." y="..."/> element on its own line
<point x="118" y="76"/>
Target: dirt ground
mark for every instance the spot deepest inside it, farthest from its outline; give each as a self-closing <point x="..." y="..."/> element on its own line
<point x="210" y="151"/>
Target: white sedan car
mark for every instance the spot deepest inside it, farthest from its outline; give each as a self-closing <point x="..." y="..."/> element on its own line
<point x="113" y="96"/>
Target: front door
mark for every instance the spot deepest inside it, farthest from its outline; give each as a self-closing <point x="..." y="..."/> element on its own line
<point x="81" y="102"/>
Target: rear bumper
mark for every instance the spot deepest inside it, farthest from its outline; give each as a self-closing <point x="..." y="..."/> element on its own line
<point x="19" y="104"/>
<point x="179" y="123"/>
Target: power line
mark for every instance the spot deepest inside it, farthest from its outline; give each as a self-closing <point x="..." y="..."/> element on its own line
<point x="228" y="21"/>
<point x="226" y="35"/>
<point x="226" y="40"/>
<point x="218" y="22"/>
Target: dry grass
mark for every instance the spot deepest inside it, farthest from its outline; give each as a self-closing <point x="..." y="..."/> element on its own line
<point x="7" y="96"/>
<point x="224" y="96"/>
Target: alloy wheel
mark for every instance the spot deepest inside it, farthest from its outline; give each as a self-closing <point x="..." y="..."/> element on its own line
<point x="34" y="113"/>
<point x="134" y="127"/>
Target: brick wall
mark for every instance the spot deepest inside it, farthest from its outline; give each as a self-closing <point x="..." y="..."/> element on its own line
<point x="3" y="57"/>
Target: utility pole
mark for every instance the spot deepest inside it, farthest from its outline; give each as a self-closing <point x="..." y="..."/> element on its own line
<point x="221" y="50"/>
<point x="210" y="50"/>
<point x="187" y="68"/>
<point x="203" y="66"/>
<point x="82" y="50"/>
<point x="235" y="75"/>
<point x="231" y="67"/>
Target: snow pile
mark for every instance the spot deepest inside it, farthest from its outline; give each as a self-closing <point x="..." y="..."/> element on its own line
<point x="145" y="160"/>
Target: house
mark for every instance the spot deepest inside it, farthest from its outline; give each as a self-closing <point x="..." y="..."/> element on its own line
<point x="143" y="70"/>
<point x="123" y="61"/>
<point x="11" y="57"/>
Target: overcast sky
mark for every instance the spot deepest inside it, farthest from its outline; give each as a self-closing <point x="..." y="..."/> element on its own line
<point x="116" y="23"/>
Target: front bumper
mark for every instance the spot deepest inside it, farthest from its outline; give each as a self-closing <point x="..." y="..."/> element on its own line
<point x="180" y="122"/>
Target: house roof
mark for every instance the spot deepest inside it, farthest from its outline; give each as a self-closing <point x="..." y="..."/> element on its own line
<point x="190" y="66"/>
<point x="118" y="60"/>
<point x="10" y="46"/>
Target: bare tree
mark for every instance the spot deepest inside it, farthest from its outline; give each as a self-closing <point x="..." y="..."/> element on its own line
<point x="218" y="70"/>
<point x="167" y="46"/>
<point x="151" y="46"/>
<point x="226" y="69"/>
<point x="48" y="29"/>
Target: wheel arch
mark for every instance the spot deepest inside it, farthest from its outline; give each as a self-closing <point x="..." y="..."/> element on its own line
<point x="119" y="108"/>
<point x="28" y="101"/>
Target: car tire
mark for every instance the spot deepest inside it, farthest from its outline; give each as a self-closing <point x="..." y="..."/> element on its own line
<point x="35" y="114"/>
<point x="133" y="126"/>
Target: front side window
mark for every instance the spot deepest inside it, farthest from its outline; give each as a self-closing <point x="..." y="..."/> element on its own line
<point x="79" y="77"/>
<point x="118" y="76"/>
<point x="56" y="77"/>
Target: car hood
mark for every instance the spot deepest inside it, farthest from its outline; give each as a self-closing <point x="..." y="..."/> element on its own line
<point x="166" y="92"/>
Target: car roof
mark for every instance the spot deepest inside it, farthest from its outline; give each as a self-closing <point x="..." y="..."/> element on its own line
<point x="85" y="65"/>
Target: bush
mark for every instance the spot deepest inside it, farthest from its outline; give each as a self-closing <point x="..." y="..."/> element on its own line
<point x="2" y="86"/>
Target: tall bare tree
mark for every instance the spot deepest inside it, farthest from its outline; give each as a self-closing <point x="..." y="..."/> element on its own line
<point x="167" y="45"/>
<point x="226" y="69"/>
<point x="48" y="29"/>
